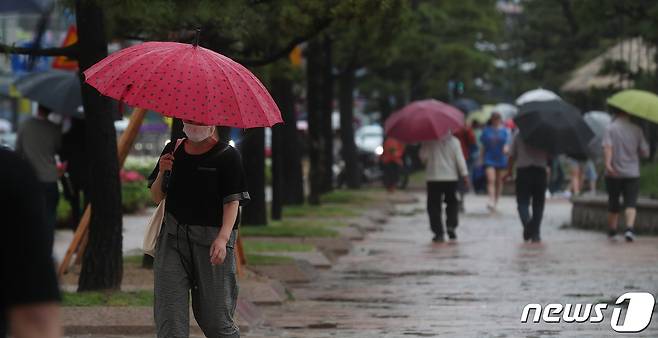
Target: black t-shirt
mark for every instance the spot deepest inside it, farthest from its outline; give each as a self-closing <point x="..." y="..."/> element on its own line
<point x="28" y="272"/>
<point x="201" y="184"/>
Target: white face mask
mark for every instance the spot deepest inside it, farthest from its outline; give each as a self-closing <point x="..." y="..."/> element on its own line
<point x="197" y="133"/>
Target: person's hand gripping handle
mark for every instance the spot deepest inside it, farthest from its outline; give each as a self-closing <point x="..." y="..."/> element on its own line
<point x="166" y="163"/>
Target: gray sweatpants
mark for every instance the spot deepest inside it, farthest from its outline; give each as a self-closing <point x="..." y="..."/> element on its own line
<point x="182" y="264"/>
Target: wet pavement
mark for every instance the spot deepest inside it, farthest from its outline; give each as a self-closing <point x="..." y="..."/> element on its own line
<point x="397" y="283"/>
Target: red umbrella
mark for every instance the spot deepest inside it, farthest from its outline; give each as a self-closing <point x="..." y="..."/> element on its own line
<point x="424" y="120"/>
<point x="187" y="82"/>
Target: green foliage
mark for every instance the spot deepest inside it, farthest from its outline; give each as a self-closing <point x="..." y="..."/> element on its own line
<point x="135" y="196"/>
<point x="649" y="180"/>
<point x="111" y="298"/>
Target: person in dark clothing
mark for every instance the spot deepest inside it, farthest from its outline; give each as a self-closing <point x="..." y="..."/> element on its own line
<point x="531" y="180"/>
<point x="38" y="141"/>
<point x="195" y="249"/>
<point x="73" y="153"/>
<point x="30" y="295"/>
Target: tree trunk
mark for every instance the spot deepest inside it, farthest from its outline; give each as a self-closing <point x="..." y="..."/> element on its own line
<point x="352" y="173"/>
<point x="253" y="158"/>
<point x="277" y="175"/>
<point x="327" y="112"/>
<point x="315" y="122"/>
<point x="281" y="92"/>
<point x="293" y="175"/>
<point x="102" y="266"/>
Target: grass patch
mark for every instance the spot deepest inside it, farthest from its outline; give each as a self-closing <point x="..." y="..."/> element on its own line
<point x="114" y="298"/>
<point x="133" y="260"/>
<point x="252" y="247"/>
<point x="284" y="230"/>
<point x="312" y="222"/>
<point x="346" y="196"/>
<point x="255" y="259"/>
<point x="323" y="210"/>
<point x="649" y="180"/>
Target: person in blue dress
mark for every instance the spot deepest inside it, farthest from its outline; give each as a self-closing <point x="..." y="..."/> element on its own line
<point x="493" y="156"/>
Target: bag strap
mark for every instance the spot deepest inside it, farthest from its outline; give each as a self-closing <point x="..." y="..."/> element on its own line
<point x="178" y="143"/>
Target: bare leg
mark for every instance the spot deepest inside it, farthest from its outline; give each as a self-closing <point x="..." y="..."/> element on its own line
<point x="613" y="221"/>
<point x="575" y="180"/>
<point x="491" y="188"/>
<point x="499" y="185"/>
<point x="630" y="214"/>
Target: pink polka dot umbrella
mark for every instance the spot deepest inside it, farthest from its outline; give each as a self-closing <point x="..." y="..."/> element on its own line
<point x="187" y="82"/>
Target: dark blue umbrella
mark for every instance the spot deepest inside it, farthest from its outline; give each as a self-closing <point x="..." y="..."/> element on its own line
<point x="466" y="105"/>
<point x="56" y="89"/>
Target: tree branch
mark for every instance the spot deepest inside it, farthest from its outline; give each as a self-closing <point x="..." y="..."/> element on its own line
<point x="68" y="51"/>
<point x="288" y="47"/>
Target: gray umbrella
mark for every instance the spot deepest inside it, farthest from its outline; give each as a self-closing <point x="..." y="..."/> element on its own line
<point x="598" y="121"/>
<point x="56" y="89"/>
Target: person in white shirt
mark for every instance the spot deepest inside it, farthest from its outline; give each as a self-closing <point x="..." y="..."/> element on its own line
<point x="445" y="166"/>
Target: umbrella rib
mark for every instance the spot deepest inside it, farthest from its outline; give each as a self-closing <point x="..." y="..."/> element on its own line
<point x="237" y="104"/>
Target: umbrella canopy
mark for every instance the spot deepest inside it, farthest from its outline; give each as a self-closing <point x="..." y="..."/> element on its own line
<point x="466" y="105"/>
<point x="556" y="127"/>
<point x="598" y="121"/>
<point x="424" y="120"/>
<point x="187" y="82"/>
<point x="506" y="110"/>
<point x="481" y="115"/>
<point x="538" y="94"/>
<point x="637" y="102"/>
<point x="56" y="89"/>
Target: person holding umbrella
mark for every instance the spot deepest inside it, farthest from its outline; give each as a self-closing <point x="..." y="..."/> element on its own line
<point x="431" y="122"/>
<point x="445" y="166"/>
<point x="493" y="156"/>
<point x="546" y="129"/>
<point x="200" y="178"/>
<point x="623" y="144"/>
<point x="207" y="180"/>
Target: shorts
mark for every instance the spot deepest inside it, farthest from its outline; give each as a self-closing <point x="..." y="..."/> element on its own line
<point x="629" y="187"/>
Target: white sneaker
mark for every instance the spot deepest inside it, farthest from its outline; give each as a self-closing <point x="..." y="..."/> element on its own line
<point x="548" y="194"/>
<point x="629" y="235"/>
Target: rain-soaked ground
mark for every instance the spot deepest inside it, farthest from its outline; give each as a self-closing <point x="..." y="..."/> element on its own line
<point x="397" y="283"/>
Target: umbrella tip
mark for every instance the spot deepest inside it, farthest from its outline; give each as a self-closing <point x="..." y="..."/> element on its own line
<point x="196" y="37"/>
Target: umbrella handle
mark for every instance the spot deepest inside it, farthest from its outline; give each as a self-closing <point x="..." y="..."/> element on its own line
<point x="165" y="181"/>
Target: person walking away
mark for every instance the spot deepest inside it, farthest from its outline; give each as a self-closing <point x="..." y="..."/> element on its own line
<point x="445" y="164"/>
<point x="38" y="141"/>
<point x="195" y="249"/>
<point x="623" y="144"/>
<point x="29" y="301"/>
<point x="531" y="182"/>
<point x="466" y="138"/>
<point x="392" y="162"/>
<point x="494" y="139"/>
<point x="73" y="154"/>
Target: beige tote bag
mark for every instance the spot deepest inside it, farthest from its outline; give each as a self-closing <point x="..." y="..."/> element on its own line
<point x="155" y="222"/>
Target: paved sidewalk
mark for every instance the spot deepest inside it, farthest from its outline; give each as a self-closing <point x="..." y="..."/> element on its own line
<point x="397" y="283"/>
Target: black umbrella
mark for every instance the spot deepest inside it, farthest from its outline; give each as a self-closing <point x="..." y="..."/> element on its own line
<point x="466" y="105"/>
<point x="556" y="127"/>
<point x="56" y="89"/>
